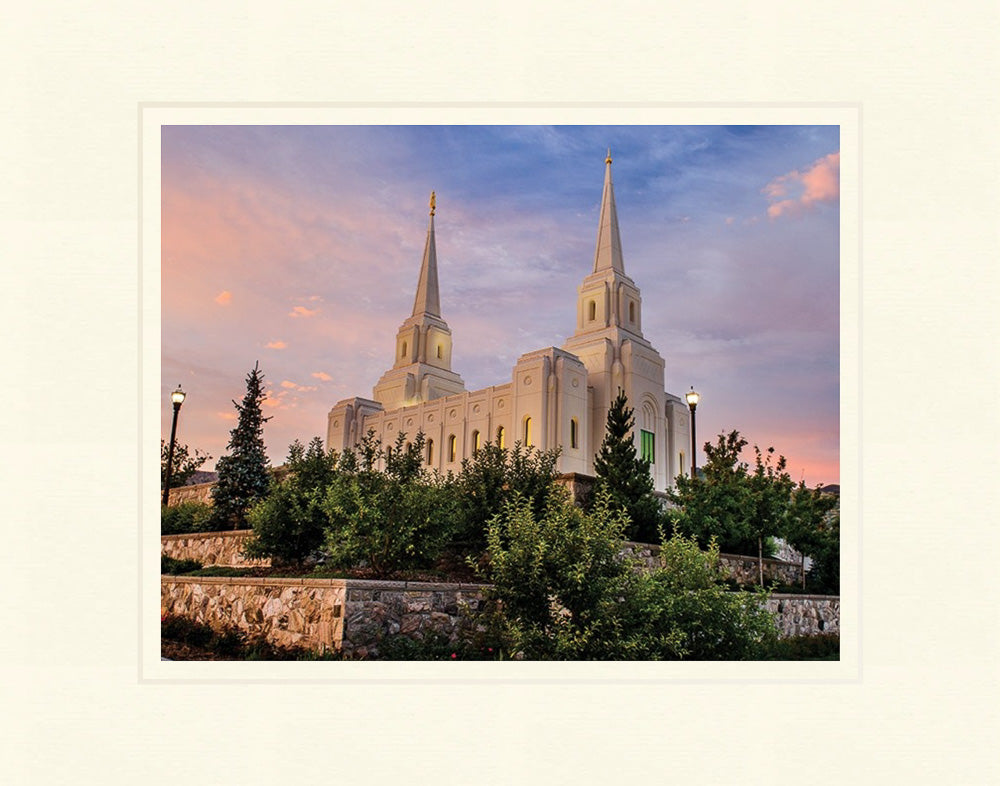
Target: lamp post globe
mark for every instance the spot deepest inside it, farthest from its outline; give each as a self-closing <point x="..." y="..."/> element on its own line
<point x="692" y="400"/>
<point x="177" y="397"/>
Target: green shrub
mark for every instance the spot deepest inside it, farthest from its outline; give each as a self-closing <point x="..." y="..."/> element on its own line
<point x="492" y="477"/>
<point x="185" y="517"/>
<point x="176" y="567"/>
<point x="290" y="523"/>
<point x="387" y="519"/>
<point x="563" y="591"/>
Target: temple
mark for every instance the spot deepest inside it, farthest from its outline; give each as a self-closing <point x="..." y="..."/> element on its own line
<point x="556" y="397"/>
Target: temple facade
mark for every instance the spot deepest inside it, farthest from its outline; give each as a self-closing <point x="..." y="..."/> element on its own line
<point x="556" y="396"/>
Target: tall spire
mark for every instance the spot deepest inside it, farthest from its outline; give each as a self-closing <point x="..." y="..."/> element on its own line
<point x="608" y="255"/>
<point x="427" y="300"/>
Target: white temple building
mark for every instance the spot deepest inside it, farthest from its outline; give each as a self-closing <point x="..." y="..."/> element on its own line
<point x="556" y="397"/>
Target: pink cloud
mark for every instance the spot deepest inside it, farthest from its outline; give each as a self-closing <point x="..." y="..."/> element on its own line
<point x="322" y="376"/>
<point x="224" y="297"/>
<point x="276" y="345"/>
<point x="302" y="311"/>
<point x="796" y="191"/>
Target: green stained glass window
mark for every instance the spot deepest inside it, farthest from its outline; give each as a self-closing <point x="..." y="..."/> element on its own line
<point x="647" y="445"/>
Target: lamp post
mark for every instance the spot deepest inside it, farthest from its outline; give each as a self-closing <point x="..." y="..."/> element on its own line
<point x="692" y="400"/>
<point x="178" y="398"/>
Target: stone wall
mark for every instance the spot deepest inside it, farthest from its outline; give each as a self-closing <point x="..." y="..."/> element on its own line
<point x="196" y="492"/>
<point x="211" y="548"/>
<point x="320" y="614"/>
<point x="351" y="615"/>
<point x="805" y="615"/>
<point x="743" y="569"/>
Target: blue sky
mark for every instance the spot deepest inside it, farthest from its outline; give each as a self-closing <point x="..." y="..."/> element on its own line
<point x="299" y="246"/>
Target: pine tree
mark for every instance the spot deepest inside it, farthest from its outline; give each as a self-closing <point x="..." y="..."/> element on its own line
<point x="625" y="475"/>
<point x="244" y="476"/>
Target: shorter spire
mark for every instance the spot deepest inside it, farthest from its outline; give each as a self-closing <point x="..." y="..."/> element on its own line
<point x="427" y="300"/>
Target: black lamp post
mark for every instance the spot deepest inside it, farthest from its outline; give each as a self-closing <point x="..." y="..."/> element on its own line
<point x="178" y="398"/>
<point x="692" y="400"/>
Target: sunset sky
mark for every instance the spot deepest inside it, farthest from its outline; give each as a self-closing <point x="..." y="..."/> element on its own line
<point x="300" y="246"/>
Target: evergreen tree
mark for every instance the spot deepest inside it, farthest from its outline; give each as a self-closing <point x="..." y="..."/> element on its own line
<point x="625" y="476"/>
<point x="244" y="476"/>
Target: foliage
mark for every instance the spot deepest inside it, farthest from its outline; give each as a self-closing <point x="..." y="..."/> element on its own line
<point x="822" y="647"/>
<point x="714" y="504"/>
<point x="740" y="508"/>
<point x="625" y="475"/>
<point x="290" y="523"/>
<point x="177" y="567"/>
<point x="745" y="508"/>
<point x="186" y="517"/>
<point x="243" y="473"/>
<point x="183" y="465"/>
<point x="813" y="527"/>
<point x="685" y="612"/>
<point x="388" y="519"/>
<point x="563" y="590"/>
<point x="491" y="478"/>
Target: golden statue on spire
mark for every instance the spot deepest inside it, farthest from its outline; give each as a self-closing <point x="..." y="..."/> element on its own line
<point x="432" y="203"/>
<point x="608" y="159"/>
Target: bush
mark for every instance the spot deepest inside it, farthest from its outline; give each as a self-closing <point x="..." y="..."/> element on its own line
<point x="492" y="477"/>
<point x="563" y="590"/>
<point x="388" y="520"/>
<point x="176" y="567"/>
<point x="290" y="524"/>
<point x="185" y="517"/>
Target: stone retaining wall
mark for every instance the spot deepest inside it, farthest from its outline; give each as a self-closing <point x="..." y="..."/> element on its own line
<point x="805" y="615"/>
<point x="320" y="614"/>
<point x="211" y="548"/>
<point x="742" y="568"/>
<point x="196" y="492"/>
<point x="351" y="615"/>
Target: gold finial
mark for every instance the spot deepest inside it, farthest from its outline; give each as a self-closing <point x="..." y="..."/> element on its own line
<point x="608" y="159"/>
<point x="432" y="203"/>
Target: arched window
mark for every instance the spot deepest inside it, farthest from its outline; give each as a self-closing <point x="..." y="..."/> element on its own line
<point x="527" y="432"/>
<point x="452" y="447"/>
<point x="631" y="312"/>
<point x="592" y="310"/>
<point x="475" y="442"/>
<point x="573" y="426"/>
<point x="439" y="351"/>
<point x="403" y="353"/>
<point x="430" y="451"/>
<point x="500" y="437"/>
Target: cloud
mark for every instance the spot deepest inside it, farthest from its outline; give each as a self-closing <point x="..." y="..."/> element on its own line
<point x="276" y="345"/>
<point x="224" y="297"/>
<point x="322" y="376"/>
<point x="289" y="385"/>
<point x="226" y="415"/>
<point x="302" y="311"/>
<point x="796" y="191"/>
